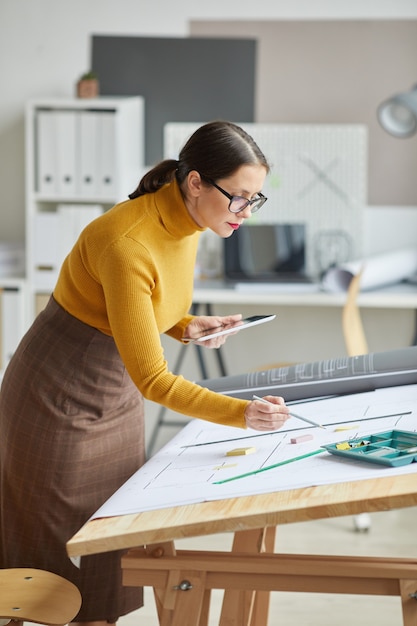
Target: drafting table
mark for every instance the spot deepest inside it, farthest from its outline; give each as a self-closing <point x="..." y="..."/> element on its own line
<point x="307" y="302"/>
<point x="245" y="573"/>
<point x="183" y="579"/>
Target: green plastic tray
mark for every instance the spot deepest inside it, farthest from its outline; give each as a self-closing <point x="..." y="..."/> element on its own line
<point x="393" y="448"/>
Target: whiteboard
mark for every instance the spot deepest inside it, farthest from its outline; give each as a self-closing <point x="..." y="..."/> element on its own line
<point x="318" y="177"/>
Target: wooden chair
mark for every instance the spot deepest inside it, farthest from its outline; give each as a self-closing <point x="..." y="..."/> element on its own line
<point x="33" y="595"/>
<point x="353" y="331"/>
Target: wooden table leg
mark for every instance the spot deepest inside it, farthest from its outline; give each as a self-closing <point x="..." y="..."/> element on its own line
<point x="248" y="608"/>
<point x="408" y="589"/>
<point x="160" y="594"/>
<point x="174" y="606"/>
<point x="188" y="604"/>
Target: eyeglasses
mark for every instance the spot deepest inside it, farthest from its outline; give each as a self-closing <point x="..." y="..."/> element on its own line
<point x="238" y="203"/>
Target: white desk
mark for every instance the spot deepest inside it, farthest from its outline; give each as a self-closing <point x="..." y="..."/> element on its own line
<point x="399" y="296"/>
<point x="308" y="325"/>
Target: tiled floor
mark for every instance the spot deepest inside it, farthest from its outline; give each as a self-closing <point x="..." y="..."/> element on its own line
<point x="392" y="533"/>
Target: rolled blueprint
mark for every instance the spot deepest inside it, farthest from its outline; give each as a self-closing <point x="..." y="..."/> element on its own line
<point x="342" y="375"/>
<point x="384" y="269"/>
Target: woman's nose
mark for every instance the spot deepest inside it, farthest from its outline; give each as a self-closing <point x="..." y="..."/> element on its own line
<point x="247" y="212"/>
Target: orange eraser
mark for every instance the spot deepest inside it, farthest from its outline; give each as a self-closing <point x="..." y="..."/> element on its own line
<point x="301" y="438"/>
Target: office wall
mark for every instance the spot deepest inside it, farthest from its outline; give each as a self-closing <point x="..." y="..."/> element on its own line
<point x="45" y="46"/>
<point x="337" y="72"/>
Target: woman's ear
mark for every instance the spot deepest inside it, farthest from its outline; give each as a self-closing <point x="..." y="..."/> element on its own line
<point x="194" y="183"/>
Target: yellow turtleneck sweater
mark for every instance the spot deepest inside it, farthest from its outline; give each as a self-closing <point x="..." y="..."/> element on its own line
<point x="130" y="275"/>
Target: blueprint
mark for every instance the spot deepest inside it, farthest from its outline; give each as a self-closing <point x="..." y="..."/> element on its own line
<point x="195" y="465"/>
<point x="377" y="271"/>
<point x="344" y="375"/>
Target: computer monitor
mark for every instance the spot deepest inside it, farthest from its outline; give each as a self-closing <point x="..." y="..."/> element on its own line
<point x="266" y="253"/>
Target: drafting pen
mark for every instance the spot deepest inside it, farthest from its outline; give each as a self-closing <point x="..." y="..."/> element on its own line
<point x="268" y="467"/>
<point x="304" y="419"/>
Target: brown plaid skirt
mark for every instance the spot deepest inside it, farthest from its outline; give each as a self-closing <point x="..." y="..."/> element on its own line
<point x="71" y="432"/>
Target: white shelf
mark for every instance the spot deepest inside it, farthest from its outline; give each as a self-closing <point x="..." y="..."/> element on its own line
<point x="82" y="157"/>
<point x="42" y="198"/>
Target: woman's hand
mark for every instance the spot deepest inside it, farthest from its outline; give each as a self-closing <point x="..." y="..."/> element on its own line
<point x="269" y="415"/>
<point x="212" y="322"/>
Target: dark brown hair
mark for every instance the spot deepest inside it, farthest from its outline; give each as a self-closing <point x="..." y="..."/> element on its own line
<point x="215" y="150"/>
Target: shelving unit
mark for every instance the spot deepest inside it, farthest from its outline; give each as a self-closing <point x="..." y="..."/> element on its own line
<point x="14" y="317"/>
<point x="82" y="157"/>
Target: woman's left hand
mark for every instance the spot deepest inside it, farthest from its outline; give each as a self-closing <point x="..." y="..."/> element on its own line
<point x="212" y="322"/>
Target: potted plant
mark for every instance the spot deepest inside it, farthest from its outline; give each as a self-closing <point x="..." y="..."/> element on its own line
<point x="88" y="85"/>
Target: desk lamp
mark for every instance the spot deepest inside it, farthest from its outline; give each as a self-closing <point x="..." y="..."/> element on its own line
<point x="398" y="114"/>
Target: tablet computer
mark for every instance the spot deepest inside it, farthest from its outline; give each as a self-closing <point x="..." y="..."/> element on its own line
<point x="211" y="333"/>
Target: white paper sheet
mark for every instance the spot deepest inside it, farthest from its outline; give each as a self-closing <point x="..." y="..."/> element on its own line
<point x="384" y="269"/>
<point x="186" y="469"/>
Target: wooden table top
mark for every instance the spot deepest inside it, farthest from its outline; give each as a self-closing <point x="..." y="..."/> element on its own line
<point x="243" y="513"/>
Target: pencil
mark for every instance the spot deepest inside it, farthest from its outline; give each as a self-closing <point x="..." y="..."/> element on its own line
<point x="304" y="419"/>
<point x="279" y="432"/>
<point x="268" y="467"/>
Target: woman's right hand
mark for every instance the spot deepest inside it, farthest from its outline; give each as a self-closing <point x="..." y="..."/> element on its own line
<point x="268" y="415"/>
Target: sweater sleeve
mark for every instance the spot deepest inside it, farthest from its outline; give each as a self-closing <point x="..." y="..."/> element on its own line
<point x="129" y="291"/>
<point x="177" y="331"/>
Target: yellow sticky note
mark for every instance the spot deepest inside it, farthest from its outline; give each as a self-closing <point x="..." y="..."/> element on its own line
<point x="240" y="451"/>
<point x="220" y="467"/>
<point x="347" y="427"/>
<point x="343" y="446"/>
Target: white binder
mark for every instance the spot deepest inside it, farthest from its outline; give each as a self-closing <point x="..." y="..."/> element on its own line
<point x="46" y="254"/>
<point x="73" y="218"/>
<point x="46" y="179"/>
<point x="66" y="158"/>
<point x="107" y="166"/>
<point x="88" y="126"/>
<point x="12" y="322"/>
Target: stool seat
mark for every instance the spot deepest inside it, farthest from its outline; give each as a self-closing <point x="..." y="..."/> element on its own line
<point x="33" y="595"/>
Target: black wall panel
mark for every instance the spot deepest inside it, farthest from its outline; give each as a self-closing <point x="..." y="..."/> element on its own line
<point x="182" y="79"/>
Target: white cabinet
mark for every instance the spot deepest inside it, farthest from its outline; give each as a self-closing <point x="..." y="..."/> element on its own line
<point x="82" y="157"/>
<point x="14" y="317"/>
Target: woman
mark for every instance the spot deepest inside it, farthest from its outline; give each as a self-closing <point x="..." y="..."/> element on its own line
<point x="71" y="404"/>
